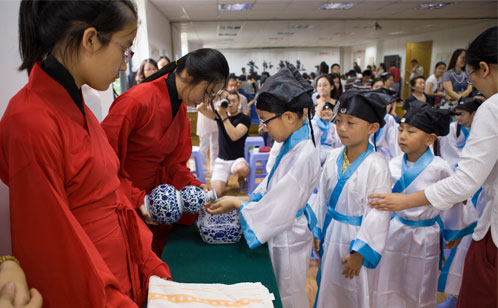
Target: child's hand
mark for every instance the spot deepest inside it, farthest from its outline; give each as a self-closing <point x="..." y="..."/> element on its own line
<point x="353" y="265"/>
<point x="223" y="205"/>
<point x="452" y="244"/>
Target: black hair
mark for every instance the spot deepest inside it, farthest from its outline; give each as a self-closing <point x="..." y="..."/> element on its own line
<point x="44" y="24"/>
<point x="414" y="61"/>
<point x="376" y="79"/>
<point x="336" y="92"/>
<point x="413" y="81"/>
<point x="203" y="64"/>
<point x="439" y="63"/>
<point x="351" y="73"/>
<point x="386" y="76"/>
<point x="454" y="58"/>
<point x="164" y="57"/>
<point x="483" y="49"/>
<point x="324" y="68"/>
<point x="234" y="93"/>
<point x="369" y="67"/>
<point x="305" y="76"/>
<point x="367" y="73"/>
<point x="334" y="65"/>
<point x="383" y="66"/>
<point x="312" y="75"/>
<point x="140" y="73"/>
<point x="270" y="103"/>
<point x="242" y="77"/>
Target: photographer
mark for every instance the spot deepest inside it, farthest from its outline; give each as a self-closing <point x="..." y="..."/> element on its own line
<point x="233" y="128"/>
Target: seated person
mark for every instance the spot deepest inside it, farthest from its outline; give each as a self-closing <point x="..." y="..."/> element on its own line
<point x="417" y="85"/>
<point x="233" y="128"/>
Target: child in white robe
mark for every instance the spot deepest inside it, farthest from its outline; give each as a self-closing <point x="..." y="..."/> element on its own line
<point x="408" y="271"/>
<point x="325" y="132"/>
<point x="352" y="234"/>
<point x="277" y="212"/>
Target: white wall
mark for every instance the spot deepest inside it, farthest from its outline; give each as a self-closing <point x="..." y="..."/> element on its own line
<point x="309" y="57"/>
<point x="158" y="32"/>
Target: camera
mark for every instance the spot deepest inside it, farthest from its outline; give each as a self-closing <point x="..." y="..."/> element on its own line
<point x="224" y="103"/>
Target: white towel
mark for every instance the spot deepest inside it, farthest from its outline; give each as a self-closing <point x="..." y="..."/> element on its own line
<point x="169" y="294"/>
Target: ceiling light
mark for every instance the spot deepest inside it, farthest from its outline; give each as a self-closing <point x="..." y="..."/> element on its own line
<point x="234" y="7"/>
<point x="396" y="32"/>
<point x="300" y="26"/>
<point x="434" y="6"/>
<point x="337" y="6"/>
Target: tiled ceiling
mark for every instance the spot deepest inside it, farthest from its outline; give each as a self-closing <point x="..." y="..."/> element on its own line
<point x="300" y="23"/>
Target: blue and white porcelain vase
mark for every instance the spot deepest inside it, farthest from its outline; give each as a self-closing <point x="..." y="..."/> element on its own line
<point x="219" y="228"/>
<point x="166" y="204"/>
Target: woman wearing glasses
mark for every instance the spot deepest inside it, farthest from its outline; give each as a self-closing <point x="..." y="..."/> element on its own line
<point x="79" y="243"/>
<point x="149" y="129"/>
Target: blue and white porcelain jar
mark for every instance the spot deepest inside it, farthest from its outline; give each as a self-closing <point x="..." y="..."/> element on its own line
<point x="220" y="228"/>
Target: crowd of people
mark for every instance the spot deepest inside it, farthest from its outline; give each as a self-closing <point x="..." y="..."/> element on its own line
<point x="385" y="199"/>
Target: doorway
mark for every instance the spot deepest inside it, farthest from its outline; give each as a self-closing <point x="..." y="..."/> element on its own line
<point x="421" y="51"/>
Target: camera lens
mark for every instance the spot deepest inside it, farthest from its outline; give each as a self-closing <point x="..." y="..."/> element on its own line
<point x="224" y="103"/>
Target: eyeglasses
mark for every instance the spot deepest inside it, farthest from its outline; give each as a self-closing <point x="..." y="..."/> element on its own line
<point x="127" y="52"/>
<point x="470" y="73"/>
<point x="265" y="122"/>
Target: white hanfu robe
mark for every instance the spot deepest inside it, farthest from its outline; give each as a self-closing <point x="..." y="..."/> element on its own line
<point x="340" y="238"/>
<point x="326" y="136"/>
<point x="407" y="274"/>
<point x="451" y="145"/>
<point x="275" y="216"/>
<point x="386" y="138"/>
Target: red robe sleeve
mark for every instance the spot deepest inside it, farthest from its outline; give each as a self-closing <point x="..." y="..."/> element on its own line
<point x="58" y="257"/>
<point x="177" y="173"/>
<point x="118" y="125"/>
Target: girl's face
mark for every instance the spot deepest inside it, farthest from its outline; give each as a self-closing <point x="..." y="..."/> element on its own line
<point x="323" y="87"/>
<point x="419" y="86"/>
<point x="149" y="69"/>
<point x="439" y="70"/>
<point x="460" y="63"/>
<point x="377" y="85"/>
<point x="464" y="118"/>
<point x="101" y="67"/>
<point x="193" y="95"/>
<point x="337" y="82"/>
<point x="389" y="82"/>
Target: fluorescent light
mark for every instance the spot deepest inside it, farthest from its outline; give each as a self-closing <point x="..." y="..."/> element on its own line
<point x="234" y="7"/>
<point x="337" y="6"/>
<point x="300" y="26"/>
<point x="396" y="32"/>
<point x="434" y="6"/>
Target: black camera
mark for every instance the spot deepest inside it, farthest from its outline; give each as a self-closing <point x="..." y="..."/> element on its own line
<point x="224" y="103"/>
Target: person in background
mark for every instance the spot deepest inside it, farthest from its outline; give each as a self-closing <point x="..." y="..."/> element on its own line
<point x="381" y="70"/>
<point x="324" y="88"/>
<point x="365" y="82"/>
<point x="147" y="68"/>
<point x="417" y="85"/>
<point x="323" y="69"/>
<point x="395" y="72"/>
<point x="351" y="78"/>
<point x="357" y="68"/>
<point x="433" y="86"/>
<point x="74" y="231"/>
<point x="149" y="130"/>
<point x="335" y="69"/>
<point x="455" y="80"/>
<point x="233" y="85"/>
<point x="162" y="62"/>
<point x="377" y="83"/>
<point x="416" y="70"/>
<point x="477" y="167"/>
<point x="338" y="88"/>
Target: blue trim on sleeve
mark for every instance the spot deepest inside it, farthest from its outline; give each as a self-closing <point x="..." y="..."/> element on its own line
<point x="249" y="235"/>
<point x="451" y="235"/>
<point x="255" y="197"/>
<point x="371" y="258"/>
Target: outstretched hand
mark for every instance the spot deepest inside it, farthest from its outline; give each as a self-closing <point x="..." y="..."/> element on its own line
<point x="388" y="202"/>
<point x="224" y="205"/>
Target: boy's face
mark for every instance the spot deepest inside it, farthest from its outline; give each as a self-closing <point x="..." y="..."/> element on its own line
<point x="352" y="130"/>
<point x="326" y="114"/>
<point x="233" y="106"/>
<point x="413" y="140"/>
<point x="464" y="118"/>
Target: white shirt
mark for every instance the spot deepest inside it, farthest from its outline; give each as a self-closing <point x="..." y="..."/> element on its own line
<point x="478" y="166"/>
<point x="432" y="79"/>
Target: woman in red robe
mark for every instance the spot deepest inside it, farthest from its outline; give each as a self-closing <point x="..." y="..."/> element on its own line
<point x="149" y="129"/>
<point x="76" y="235"/>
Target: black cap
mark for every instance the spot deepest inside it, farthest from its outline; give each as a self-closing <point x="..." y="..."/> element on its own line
<point x="369" y="106"/>
<point x="469" y="104"/>
<point x="430" y="120"/>
<point x="289" y="87"/>
<point x="328" y="106"/>
<point x="390" y="92"/>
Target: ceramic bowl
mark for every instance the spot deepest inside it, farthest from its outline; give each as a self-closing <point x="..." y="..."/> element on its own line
<point x="164" y="205"/>
<point x="219" y="229"/>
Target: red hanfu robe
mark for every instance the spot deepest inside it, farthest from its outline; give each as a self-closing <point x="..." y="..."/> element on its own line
<point x="152" y="147"/>
<point x="77" y="243"/>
